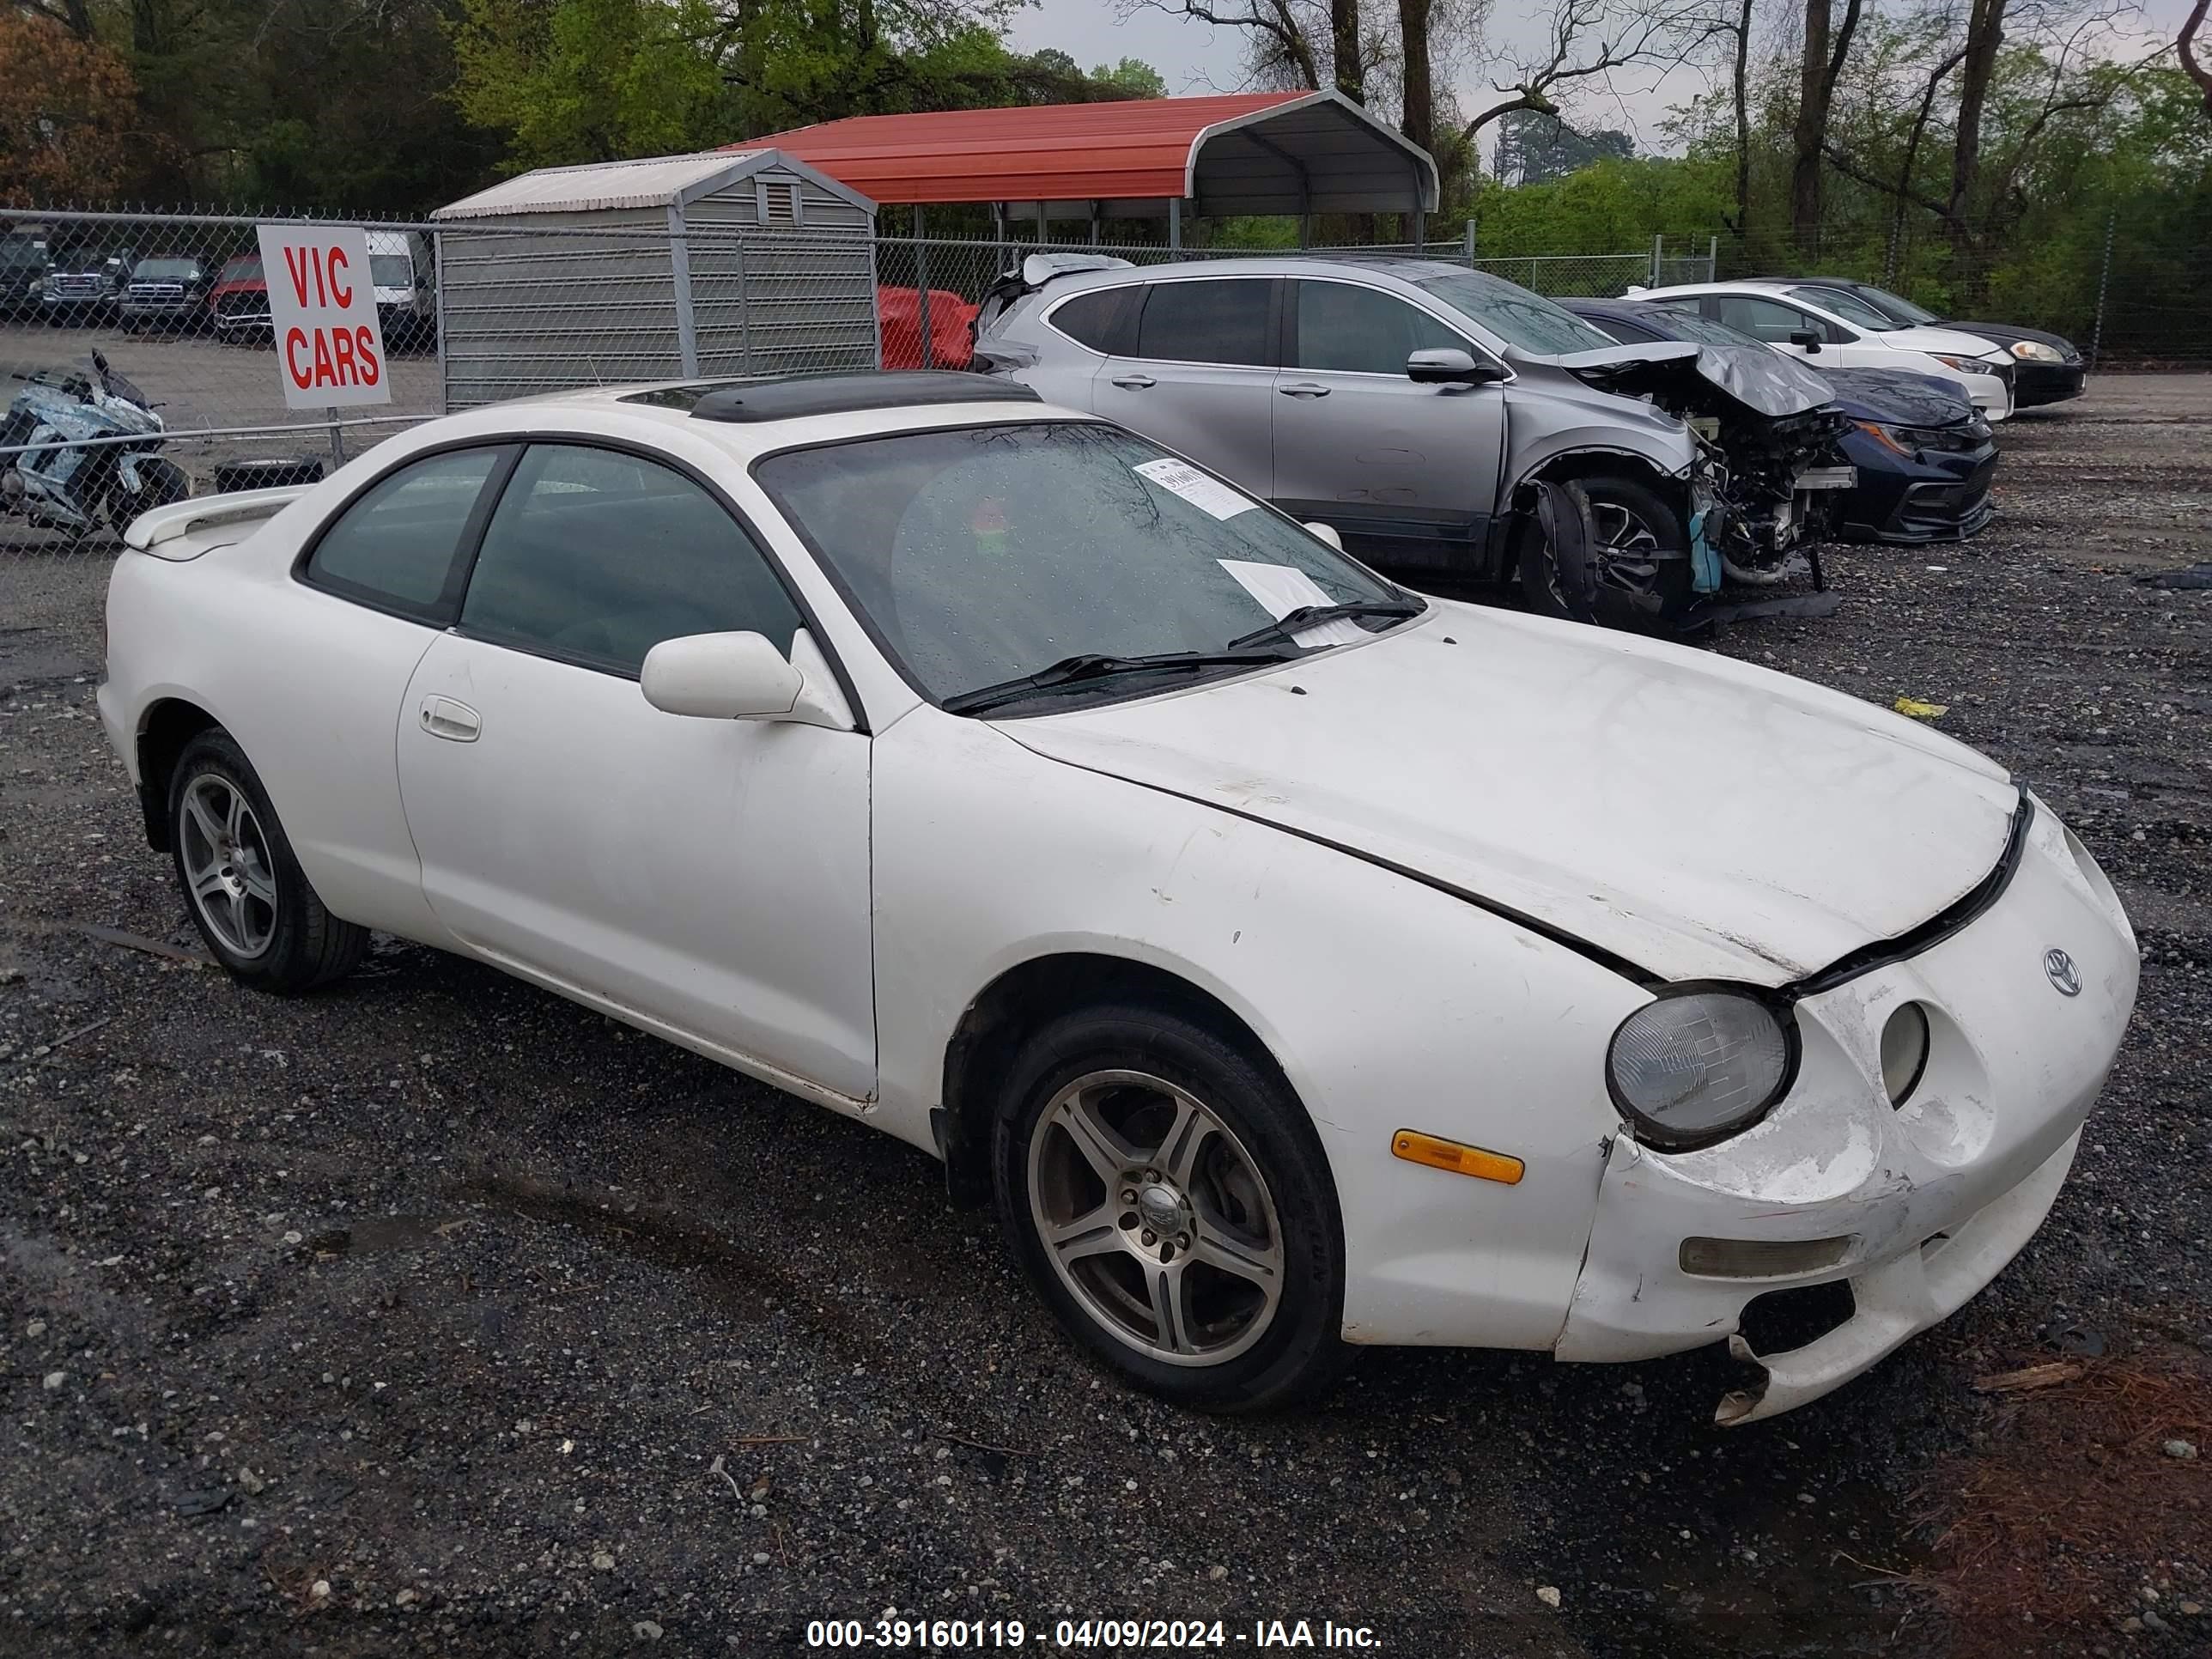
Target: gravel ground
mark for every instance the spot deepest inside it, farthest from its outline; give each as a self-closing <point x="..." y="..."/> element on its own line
<point x="436" y="1314"/>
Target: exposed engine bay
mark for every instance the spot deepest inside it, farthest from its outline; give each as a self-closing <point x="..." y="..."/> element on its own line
<point x="1768" y="469"/>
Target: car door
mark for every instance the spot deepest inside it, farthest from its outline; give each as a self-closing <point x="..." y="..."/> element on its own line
<point x="1412" y="468"/>
<point x="1202" y="375"/>
<point x="709" y="875"/>
<point x="377" y="582"/>
<point x="1776" y="321"/>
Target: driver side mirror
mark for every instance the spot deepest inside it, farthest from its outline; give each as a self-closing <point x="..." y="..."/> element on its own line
<point x="1805" y="337"/>
<point x="729" y="676"/>
<point x="1449" y="366"/>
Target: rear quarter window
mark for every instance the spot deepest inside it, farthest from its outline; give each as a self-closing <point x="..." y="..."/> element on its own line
<point x="397" y="545"/>
<point x="1104" y="320"/>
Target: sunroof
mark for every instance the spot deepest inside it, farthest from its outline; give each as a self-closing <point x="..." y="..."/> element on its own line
<point x="801" y="395"/>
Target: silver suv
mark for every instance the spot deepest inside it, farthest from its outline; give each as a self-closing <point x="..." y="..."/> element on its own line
<point x="1441" y="419"/>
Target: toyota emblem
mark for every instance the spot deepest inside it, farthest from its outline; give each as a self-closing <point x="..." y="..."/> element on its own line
<point x="2062" y="974"/>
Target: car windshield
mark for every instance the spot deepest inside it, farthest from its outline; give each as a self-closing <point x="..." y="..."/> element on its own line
<point x="242" y="271"/>
<point x="390" y="270"/>
<point x="979" y="554"/>
<point x="1515" y="315"/>
<point x="155" y="269"/>
<point x="1847" y="306"/>
<point x="1677" y="323"/>
<point x="1898" y="305"/>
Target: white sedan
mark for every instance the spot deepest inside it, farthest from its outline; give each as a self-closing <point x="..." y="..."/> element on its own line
<point x="1829" y="328"/>
<point x="1298" y="963"/>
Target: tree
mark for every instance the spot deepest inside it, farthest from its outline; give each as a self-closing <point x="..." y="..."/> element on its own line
<point x="1345" y="48"/>
<point x="1534" y="150"/>
<point x="2186" y="47"/>
<point x="1417" y="94"/>
<point x="1133" y="77"/>
<point x="1979" y="61"/>
<point x="68" y="115"/>
<point x="1820" y="65"/>
<point x="590" y="79"/>
<point x="1280" y="45"/>
<point x="1593" y="37"/>
<point x="1740" y="85"/>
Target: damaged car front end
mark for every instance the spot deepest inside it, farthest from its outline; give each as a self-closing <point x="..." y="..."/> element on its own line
<point x="1936" y="1088"/>
<point x="1756" y="470"/>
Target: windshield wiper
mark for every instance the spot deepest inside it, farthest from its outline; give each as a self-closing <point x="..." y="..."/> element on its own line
<point x="1313" y="616"/>
<point x="1095" y="666"/>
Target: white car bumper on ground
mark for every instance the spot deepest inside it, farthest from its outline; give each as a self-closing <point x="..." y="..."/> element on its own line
<point x="1915" y="1208"/>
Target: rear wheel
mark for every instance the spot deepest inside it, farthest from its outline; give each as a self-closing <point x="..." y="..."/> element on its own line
<point x="1170" y="1202"/>
<point x="1639" y="552"/>
<point x="252" y="902"/>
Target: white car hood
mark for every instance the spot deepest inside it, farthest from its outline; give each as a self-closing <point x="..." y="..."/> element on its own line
<point x="1947" y="341"/>
<point x="1694" y="816"/>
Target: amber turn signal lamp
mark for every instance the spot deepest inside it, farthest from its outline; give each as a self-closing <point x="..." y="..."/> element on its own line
<point x="1418" y="1148"/>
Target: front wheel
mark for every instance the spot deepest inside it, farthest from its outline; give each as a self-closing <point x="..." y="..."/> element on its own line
<point x="253" y="903"/>
<point x="1638" y="555"/>
<point x="1167" y="1196"/>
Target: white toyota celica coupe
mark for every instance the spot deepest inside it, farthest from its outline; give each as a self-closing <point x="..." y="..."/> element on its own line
<point x="1300" y="963"/>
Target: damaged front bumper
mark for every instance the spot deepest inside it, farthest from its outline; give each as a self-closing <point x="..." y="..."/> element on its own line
<point x="1915" y="1208"/>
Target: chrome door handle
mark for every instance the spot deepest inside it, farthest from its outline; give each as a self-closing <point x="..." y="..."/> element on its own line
<point x="1303" y="389"/>
<point x="456" y="722"/>
<point x="1134" y="382"/>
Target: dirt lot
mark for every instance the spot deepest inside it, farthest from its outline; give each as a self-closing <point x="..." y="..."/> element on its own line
<point x="431" y="1313"/>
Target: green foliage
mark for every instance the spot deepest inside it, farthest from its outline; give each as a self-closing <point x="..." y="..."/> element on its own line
<point x="1611" y="206"/>
<point x="1133" y="76"/>
<point x="590" y="79"/>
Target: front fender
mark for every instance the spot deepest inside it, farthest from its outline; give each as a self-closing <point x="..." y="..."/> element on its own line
<point x="1386" y="1003"/>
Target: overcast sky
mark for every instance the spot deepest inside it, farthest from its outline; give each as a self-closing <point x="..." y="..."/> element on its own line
<point x="1195" y="57"/>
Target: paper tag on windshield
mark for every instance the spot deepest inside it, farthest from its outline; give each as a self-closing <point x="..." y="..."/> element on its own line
<point x="1281" y="589"/>
<point x="1206" y="495"/>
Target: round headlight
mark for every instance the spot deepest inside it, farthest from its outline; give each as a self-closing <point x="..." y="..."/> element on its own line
<point x="1903" y="1052"/>
<point x="1698" y="1065"/>
<point x="2036" y="352"/>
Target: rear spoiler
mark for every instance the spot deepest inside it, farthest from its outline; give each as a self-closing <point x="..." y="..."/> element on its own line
<point x="1035" y="271"/>
<point x="172" y="531"/>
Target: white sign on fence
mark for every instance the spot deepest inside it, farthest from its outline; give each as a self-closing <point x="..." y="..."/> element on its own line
<point x="322" y="305"/>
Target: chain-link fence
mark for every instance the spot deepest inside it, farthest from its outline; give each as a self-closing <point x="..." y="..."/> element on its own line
<point x="2125" y="291"/>
<point x="137" y="360"/>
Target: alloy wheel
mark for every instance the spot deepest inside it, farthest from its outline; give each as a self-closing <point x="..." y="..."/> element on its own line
<point x="1156" y="1218"/>
<point x="228" y="869"/>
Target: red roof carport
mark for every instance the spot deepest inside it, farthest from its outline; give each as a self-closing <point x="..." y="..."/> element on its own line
<point x="1258" y="152"/>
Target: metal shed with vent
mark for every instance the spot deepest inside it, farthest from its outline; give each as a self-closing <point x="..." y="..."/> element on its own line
<point x="731" y="263"/>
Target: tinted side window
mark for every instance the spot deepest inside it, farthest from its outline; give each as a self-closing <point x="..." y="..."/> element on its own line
<point x="597" y="556"/>
<point x="1208" y="322"/>
<point x="396" y="546"/>
<point x="1106" y="320"/>
<point x="1769" y="319"/>
<point x="1364" y="331"/>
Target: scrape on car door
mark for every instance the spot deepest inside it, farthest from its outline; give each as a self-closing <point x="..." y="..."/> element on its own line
<point x="711" y="875"/>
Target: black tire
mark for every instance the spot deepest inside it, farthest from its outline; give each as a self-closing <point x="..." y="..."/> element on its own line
<point x="305" y="945"/>
<point x="1299" y="1349"/>
<point x="1613" y="500"/>
<point x="167" y="483"/>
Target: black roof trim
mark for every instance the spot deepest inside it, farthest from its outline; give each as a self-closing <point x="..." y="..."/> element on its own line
<point x="800" y="395"/>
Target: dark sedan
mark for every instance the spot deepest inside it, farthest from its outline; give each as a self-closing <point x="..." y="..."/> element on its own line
<point x="1924" y="457"/>
<point x="2047" y="369"/>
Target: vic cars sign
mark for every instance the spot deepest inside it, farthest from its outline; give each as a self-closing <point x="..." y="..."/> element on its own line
<point x="322" y="305"/>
